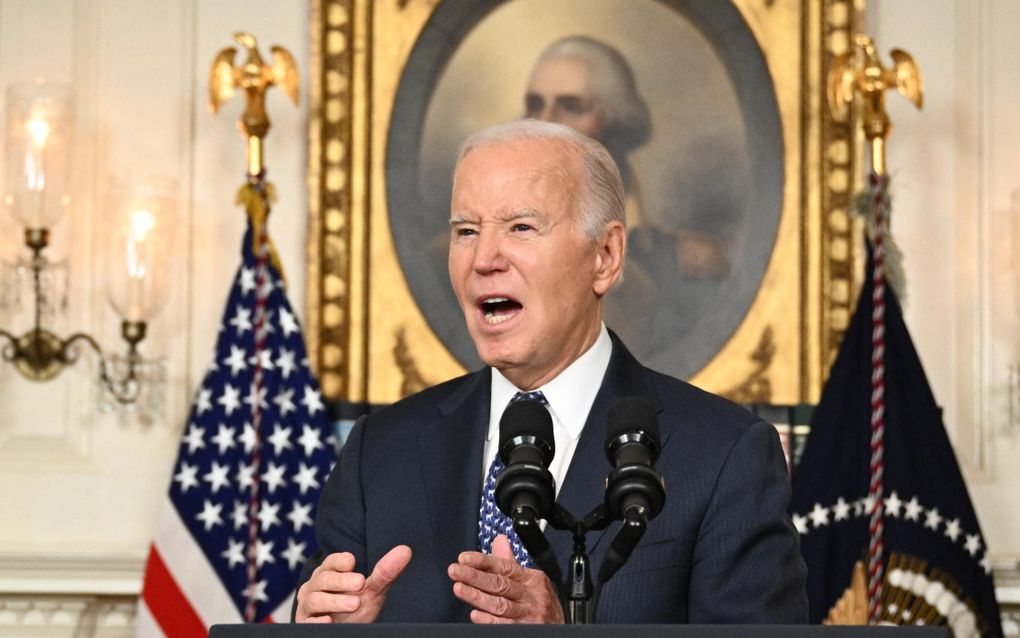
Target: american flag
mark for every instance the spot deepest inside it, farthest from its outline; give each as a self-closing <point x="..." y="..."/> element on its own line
<point x="255" y="453"/>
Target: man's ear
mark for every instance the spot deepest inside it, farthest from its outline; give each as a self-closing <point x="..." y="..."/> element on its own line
<point x="609" y="255"/>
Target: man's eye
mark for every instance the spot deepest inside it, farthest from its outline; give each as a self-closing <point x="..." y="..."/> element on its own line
<point x="521" y="227"/>
<point x="572" y="104"/>
<point x="533" y="104"/>
<point x="464" y="232"/>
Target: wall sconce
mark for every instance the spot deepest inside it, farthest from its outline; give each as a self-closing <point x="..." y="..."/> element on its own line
<point x="39" y="128"/>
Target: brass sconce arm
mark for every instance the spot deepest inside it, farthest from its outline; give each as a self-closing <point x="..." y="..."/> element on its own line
<point x="40" y="355"/>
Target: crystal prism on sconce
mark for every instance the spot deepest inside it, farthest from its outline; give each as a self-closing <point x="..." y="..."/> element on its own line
<point x="137" y="233"/>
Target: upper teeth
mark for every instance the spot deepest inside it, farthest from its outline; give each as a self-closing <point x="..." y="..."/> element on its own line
<point x="496" y="300"/>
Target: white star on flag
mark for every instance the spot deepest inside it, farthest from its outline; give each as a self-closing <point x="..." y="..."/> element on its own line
<point x="231" y="399"/>
<point x="193" y="438"/>
<point x="294" y="554"/>
<point x="263" y="552"/>
<point x="247" y="280"/>
<point x="245" y="475"/>
<point x="287" y="322"/>
<point x="242" y="320"/>
<point x="217" y="477"/>
<point x="285" y="401"/>
<point x="305" y="477"/>
<point x="265" y="359"/>
<point x="973" y="544"/>
<point x="235" y="360"/>
<point x="893" y="504"/>
<point x="258" y="592"/>
<point x="256" y="394"/>
<point x="310" y="440"/>
<point x="273" y="477"/>
<point x="285" y="362"/>
<point x="210" y="515"/>
<point x="187" y="477"/>
<point x="312" y="400"/>
<point x="913" y="510"/>
<point x="234" y="552"/>
<point x="841" y="511"/>
<point x="953" y="529"/>
<point x="300" y="515"/>
<point x="932" y="520"/>
<point x="268" y="515"/>
<point x="819" y="515"/>
<point x="203" y="402"/>
<point x="247" y="438"/>
<point x="280" y="439"/>
<point x="800" y="522"/>
<point x="239" y="515"/>
<point x="224" y="439"/>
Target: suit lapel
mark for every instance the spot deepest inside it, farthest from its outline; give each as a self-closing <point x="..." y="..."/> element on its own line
<point x="584" y="486"/>
<point x="450" y="452"/>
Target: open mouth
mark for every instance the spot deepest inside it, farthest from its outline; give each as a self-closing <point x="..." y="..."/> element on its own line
<point x="498" y="309"/>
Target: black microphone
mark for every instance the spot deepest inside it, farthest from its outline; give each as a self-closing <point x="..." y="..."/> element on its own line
<point x="635" y="492"/>
<point x="526" y="446"/>
<point x="632" y="446"/>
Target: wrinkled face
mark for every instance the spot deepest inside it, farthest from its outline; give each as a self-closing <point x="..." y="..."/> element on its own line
<point x="559" y="90"/>
<point x="527" y="279"/>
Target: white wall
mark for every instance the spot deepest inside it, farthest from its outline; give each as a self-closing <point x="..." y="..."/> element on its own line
<point x="80" y="490"/>
<point x="954" y="165"/>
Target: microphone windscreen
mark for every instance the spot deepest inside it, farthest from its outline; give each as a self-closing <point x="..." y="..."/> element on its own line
<point x="632" y="414"/>
<point x="526" y="418"/>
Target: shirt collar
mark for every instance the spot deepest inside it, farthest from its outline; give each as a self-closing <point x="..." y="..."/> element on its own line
<point x="570" y="394"/>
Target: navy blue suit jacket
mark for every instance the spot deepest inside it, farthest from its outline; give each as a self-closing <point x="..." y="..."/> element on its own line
<point x="722" y="551"/>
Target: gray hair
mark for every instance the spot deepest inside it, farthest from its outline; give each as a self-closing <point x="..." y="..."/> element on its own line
<point x="628" y="123"/>
<point x="602" y="197"/>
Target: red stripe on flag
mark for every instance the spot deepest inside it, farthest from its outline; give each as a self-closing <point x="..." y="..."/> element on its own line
<point x="167" y="603"/>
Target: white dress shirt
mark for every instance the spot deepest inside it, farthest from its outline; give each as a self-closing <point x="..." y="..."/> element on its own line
<point x="570" y="396"/>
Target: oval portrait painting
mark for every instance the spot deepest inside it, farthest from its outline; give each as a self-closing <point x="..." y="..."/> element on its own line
<point x="678" y="92"/>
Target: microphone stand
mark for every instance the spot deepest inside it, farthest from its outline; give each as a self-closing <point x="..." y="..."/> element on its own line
<point x="577" y="596"/>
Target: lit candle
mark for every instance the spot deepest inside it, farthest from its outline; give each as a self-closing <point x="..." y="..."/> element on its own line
<point x="142" y="222"/>
<point x="38" y="130"/>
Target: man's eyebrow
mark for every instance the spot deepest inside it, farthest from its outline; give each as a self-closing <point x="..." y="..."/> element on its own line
<point x="459" y="219"/>
<point x="520" y="214"/>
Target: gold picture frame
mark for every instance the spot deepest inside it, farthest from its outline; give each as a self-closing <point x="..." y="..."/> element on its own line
<point x="368" y="337"/>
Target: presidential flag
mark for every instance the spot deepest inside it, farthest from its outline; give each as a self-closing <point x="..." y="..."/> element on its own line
<point x="255" y="454"/>
<point x="933" y="560"/>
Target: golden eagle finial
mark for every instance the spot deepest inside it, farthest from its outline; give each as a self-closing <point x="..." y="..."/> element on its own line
<point x="254" y="76"/>
<point x="860" y="71"/>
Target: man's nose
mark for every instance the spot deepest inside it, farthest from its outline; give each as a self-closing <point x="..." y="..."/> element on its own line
<point x="489" y="252"/>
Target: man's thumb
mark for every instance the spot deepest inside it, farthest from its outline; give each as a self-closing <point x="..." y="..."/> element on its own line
<point x="501" y="548"/>
<point x="389" y="567"/>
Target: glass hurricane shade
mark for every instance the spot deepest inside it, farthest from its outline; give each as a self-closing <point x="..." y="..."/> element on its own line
<point x="39" y="130"/>
<point x="138" y="255"/>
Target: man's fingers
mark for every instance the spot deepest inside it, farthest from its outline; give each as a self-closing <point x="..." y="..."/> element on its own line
<point x="485" y="581"/>
<point x="389" y="567"/>
<point x="492" y="564"/>
<point x="485" y="618"/>
<point x="482" y="601"/>
<point x="337" y="562"/>
<point x="319" y="603"/>
<point x="337" y="582"/>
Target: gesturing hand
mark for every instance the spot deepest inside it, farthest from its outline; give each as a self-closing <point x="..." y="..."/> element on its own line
<point x="336" y="593"/>
<point x="501" y="591"/>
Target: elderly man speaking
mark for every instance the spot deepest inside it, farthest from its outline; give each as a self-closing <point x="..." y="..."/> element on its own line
<point x="537" y="238"/>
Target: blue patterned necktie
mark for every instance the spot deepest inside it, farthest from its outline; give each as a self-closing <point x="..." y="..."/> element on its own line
<point x="491" y="521"/>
